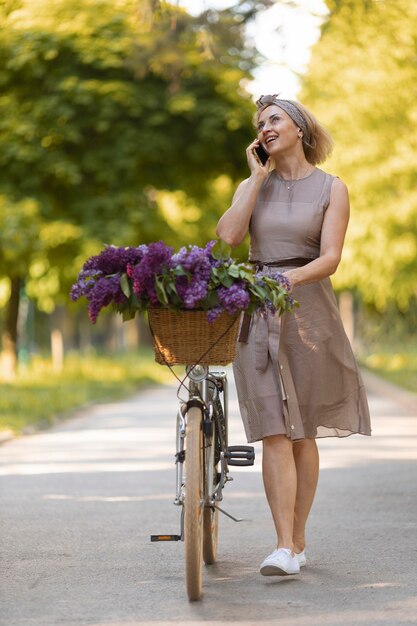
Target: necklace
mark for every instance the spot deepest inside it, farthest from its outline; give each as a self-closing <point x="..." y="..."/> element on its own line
<point x="290" y="184"/>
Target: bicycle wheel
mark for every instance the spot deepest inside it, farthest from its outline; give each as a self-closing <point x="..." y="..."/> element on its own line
<point x="193" y="504"/>
<point x="210" y="514"/>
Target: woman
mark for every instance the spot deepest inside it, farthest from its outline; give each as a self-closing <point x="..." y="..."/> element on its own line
<point x="296" y="375"/>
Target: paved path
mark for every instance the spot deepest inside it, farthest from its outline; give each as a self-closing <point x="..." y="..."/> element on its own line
<point x="79" y="502"/>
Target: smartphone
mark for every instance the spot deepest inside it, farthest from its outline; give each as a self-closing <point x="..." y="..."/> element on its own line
<point x="263" y="156"/>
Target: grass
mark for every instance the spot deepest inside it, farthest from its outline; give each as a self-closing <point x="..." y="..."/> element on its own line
<point x="38" y="395"/>
<point x="396" y="363"/>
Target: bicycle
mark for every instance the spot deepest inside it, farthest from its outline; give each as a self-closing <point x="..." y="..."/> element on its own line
<point x="202" y="458"/>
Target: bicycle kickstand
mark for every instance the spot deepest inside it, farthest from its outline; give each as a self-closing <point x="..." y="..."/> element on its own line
<point x="235" y="519"/>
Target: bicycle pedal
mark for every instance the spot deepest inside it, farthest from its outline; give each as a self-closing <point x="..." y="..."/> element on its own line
<point x="240" y="455"/>
<point x="165" y="537"/>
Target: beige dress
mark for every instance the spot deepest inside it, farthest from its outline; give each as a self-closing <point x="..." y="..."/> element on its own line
<point x="296" y="375"/>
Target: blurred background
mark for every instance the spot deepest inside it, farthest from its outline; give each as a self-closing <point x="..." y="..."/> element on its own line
<point x="126" y="121"/>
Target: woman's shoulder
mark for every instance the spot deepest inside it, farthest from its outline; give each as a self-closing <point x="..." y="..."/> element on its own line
<point x="335" y="178"/>
<point x="334" y="183"/>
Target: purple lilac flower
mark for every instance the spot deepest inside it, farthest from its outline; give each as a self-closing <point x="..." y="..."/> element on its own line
<point x="283" y="281"/>
<point x="215" y="262"/>
<point x="85" y="282"/>
<point x="279" y="277"/>
<point x="193" y="288"/>
<point x="191" y="293"/>
<point x="110" y="261"/>
<point x="104" y="291"/>
<point x="113" y="259"/>
<point x="234" y="298"/>
<point x="157" y="259"/>
<point x="209" y="247"/>
<point x="213" y="314"/>
<point x="191" y="258"/>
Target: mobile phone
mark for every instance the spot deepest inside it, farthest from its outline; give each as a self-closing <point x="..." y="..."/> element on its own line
<point x="263" y="156"/>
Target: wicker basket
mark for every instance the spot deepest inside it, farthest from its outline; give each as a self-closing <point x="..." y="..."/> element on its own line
<point x="186" y="337"/>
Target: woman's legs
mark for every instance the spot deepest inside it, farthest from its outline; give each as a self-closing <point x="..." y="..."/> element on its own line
<point x="290" y="474"/>
<point x="306" y="457"/>
<point x="280" y="482"/>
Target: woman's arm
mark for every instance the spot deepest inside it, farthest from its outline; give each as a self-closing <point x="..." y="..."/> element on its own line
<point x="332" y="237"/>
<point x="234" y="224"/>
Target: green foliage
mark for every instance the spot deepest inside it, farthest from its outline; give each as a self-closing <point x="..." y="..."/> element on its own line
<point x="394" y="362"/>
<point x="19" y="232"/>
<point x="362" y="84"/>
<point x="39" y="395"/>
<point x="102" y="115"/>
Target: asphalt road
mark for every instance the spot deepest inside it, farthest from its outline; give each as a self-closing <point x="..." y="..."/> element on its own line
<point x="79" y="502"/>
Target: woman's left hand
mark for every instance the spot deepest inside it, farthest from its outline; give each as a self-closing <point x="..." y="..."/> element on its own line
<point x="289" y="274"/>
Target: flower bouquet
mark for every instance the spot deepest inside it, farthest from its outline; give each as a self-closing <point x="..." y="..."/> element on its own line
<point x="194" y="297"/>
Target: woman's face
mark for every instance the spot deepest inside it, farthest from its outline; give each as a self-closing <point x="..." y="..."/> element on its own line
<point x="276" y="131"/>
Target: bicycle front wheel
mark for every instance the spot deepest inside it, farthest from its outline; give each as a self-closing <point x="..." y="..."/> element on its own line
<point x="194" y="504"/>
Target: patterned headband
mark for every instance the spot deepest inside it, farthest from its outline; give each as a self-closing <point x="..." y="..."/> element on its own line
<point x="290" y="108"/>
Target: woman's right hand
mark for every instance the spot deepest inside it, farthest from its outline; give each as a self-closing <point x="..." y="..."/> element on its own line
<point x="234" y="224"/>
<point x="255" y="165"/>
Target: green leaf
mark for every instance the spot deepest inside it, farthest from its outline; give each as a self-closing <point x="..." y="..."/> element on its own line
<point x="160" y="291"/>
<point x="233" y="270"/>
<point x="246" y="275"/>
<point x="259" y="291"/>
<point x="134" y="302"/>
<point x="180" y="271"/>
<point x="210" y="301"/>
<point x="128" y="314"/>
<point x="171" y="289"/>
<point x="226" y="280"/>
<point x="172" y="294"/>
<point x="125" y="286"/>
<point x="221" y="251"/>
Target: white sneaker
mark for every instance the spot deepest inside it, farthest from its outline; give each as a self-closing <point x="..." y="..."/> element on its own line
<point x="301" y="556"/>
<point x="280" y="563"/>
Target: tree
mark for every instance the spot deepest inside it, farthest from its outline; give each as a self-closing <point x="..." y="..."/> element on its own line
<point x="361" y="83"/>
<point x="103" y="122"/>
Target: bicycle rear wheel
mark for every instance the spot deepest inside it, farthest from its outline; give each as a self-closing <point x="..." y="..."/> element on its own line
<point x="194" y="504"/>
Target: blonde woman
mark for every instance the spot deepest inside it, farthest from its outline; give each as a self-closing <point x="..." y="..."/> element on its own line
<point x="296" y="376"/>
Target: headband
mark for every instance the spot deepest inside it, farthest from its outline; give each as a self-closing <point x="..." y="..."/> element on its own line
<point x="291" y="109"/>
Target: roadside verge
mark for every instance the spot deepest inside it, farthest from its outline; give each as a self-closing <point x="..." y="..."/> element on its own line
<point x="380" y="386"/>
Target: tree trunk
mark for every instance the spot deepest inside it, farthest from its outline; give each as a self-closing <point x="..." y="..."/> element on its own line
<point x="58" y="332"/>
<point x="145" y="336"/>
<point x="8" y="364"/>
<point x="131" y="335"/>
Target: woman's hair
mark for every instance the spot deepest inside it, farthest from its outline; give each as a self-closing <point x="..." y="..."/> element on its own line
<point x="317" y="142"/>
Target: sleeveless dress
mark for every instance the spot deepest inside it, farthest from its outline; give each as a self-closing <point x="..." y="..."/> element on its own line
<point x="296" y="374"/>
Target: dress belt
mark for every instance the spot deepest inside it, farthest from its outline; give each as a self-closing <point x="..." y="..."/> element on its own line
<point x="296" y="261"/>
<point x="293" y="262"/>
